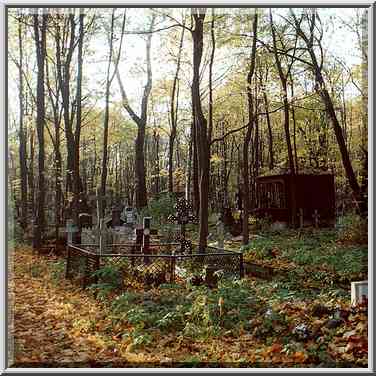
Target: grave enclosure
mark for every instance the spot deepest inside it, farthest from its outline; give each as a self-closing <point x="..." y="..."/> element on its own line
<point x="149" y="257"/>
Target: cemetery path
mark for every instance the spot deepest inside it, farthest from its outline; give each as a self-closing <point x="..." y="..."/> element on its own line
<point x="55" y="323"/>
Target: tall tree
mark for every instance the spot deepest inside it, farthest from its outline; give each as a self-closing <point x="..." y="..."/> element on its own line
<point x="22" y="129"/>
<point x="174" y="115"/>
<point x="65" y="30"/>
<point x="141" y="121"/>
<point x="77" y="185"/>
<point x="247" y="138"/>
<point x="311" y="40"/>
<point x="283" y="76"/>
<point x="109" y="79"/>
<point x="202" y="140"/>
<point x="40" y="27"/>
<point x="55" y="99"/>
<point x="264" y="80"/>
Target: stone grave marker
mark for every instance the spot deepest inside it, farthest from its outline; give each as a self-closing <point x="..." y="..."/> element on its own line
<point x="359" y="292"/>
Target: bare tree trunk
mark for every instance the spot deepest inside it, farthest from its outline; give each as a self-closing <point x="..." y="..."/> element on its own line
<point x="211" y="63"/>
<point x="55" y="103"/>
<point x="188" y="195"/>
<point x="156" y="163"/>
<point x="174" y="117"/>
<point x="22" y="134"/>
<point x="364" y="96"/>
<point x="105" y="124"/>
<point x="40" y="45"/>
<point x="245" y="157"/>
<point x="270" y="133"/>
<point x="140" y="171"/>
<point x="30" y="175"/>
<point x="286" y="109"/>
<point x="77" y="185"/>
<point x="201" y="127"/>
<point x="294" y="125"/>
<point x="109" y="79"/>
<point x="256" y="159"/>
<point x="196" y="190"/>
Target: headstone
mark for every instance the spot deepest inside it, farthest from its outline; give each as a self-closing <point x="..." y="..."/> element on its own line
<point x="129" y="216"/>
<point x="359" y="292"/>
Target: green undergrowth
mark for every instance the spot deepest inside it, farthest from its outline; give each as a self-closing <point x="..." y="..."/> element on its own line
<point x="192" y="312"/>
<point x="322" y="253"/>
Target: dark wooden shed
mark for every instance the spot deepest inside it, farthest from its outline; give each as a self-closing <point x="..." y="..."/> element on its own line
<point x="314" y="194"/>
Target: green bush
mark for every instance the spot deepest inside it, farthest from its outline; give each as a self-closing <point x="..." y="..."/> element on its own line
<point x="109" y="280"/>
<point x="354" y="230"/>
<point x="159" y="208"/>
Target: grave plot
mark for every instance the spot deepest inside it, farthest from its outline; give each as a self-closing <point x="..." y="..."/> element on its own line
<point x="154" y="268"/>
<point x="149" y="261"/>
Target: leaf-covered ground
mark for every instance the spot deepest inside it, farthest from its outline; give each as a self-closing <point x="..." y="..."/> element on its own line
<point x="249" y="323"/>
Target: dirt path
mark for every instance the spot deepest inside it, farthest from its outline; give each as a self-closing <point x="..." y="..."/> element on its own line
<point x="57" y="324"/>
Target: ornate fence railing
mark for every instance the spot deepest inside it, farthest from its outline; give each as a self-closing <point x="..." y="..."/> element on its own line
<point x="162" y="260"/>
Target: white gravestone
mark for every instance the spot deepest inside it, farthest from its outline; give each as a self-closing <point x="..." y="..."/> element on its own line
<point x="359" y="292"/>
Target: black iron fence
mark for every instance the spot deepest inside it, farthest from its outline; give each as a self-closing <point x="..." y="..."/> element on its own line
<point x="161" y="263"/>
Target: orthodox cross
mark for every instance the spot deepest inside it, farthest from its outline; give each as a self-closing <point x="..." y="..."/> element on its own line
<point x="182" y="217"/>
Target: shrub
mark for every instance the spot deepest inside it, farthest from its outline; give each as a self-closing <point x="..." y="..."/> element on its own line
<point x="109" y="280"/>
<point x="159" y="208"/>
<point x="354" y="230"/>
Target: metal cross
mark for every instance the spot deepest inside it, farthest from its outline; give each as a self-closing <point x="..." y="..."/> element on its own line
<point x="183" y="216"/>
